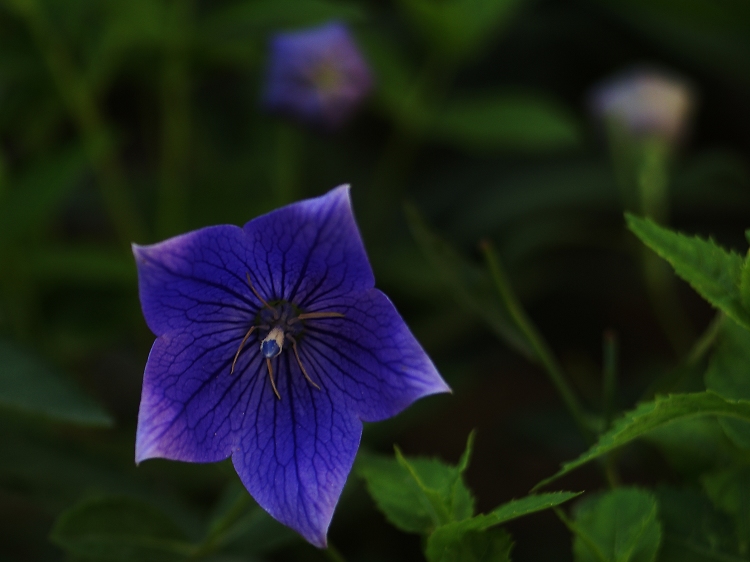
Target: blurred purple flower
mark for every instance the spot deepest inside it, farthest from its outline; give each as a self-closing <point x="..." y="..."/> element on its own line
<point x="646" y="102"/>
<point x="273" y="347"/>
<point x="316" y="75"/>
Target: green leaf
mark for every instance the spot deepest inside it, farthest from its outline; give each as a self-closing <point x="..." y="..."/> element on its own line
<point x="39" y="191"/>
<point x="457" y="28"/>
<point x="505" y="121"/>
<point x="710" y="269"/>
<point x="693" y="531"/>
<point x="450" y="538"/>
<point x="728" y="374"/>
<point x="693" y="445"/>
<point x="30" y="386"/>
<point x="417" y="494"/>
<point x="469" y="284"/>
<point x="271" y="15"/>
<point x="652" y="415"/>
<point x="241" y="526"/>
<point x="493" y="545"/>
<point x="396" y="91"/>
<point x="618" y="526"/>
<point x="120" y="529"/>
<point x="729" y="490"/>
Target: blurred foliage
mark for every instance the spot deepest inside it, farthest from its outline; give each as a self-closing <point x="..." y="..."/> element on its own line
<point x="128" y="121"/>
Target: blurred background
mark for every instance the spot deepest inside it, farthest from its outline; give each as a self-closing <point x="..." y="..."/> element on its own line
<point x="134" y="120"/>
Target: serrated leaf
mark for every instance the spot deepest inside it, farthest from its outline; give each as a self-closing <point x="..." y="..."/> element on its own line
<point x="447" y="539"/>
<point x="504" y="121"/>
<point x="115" y="529"/>
<point x="712" y="271"/>
<point x="618" y="526"/>
<point x="30" y="386"/>
<point x="417" y="494"/>
<point x="493" y="545"/>
<point x="655" y="414"/>
<point x="469" y="284"/>
<point x="728" y="374"/>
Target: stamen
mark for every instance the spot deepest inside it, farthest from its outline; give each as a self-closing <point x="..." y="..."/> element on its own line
<point x="270" y="376"/>
<point x="299" y="362"/>
<point x="236" y="355"/>
<point x="310" y="315"/>
<point x="261" y="299"/>
<point x="271" y="346"/>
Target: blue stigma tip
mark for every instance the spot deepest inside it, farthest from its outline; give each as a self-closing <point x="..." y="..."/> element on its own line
<point x="270" y="348"/>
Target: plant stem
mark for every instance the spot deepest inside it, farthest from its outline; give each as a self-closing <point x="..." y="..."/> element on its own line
<point x="79" y="99"/>
<point x="176" y="124"/>
<point x="609" y="378"/>
<point x="219" y="529"/>
<point x="540" y="347"/>
<point x="333" y="554"/>
<point x="287" y="163"/>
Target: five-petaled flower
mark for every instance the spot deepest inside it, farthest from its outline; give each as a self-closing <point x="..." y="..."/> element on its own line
<point x="316" y="75"/>
<point x="273" y="347"/>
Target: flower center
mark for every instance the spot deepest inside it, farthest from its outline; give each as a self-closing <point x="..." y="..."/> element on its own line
<point x="278" y="324"/>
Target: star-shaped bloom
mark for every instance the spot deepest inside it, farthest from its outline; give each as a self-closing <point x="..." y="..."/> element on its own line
<point x="316" y="75"/>
<point x="273" y="347"/>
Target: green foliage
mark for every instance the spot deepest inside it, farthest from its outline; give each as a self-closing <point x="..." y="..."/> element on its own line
<point x="120" y="529"/>
<point x="693" y="530"/>
<point x="429" y="497"/>
<point x="471" y="285"/>
<point x="652" y="415"/>
<point x="711" y="270"/>
<point x="456" y="28"/>
<point x="503" y="121"/>
<point x="115" y="114"/>
<point x="418" y="495"/>
<point x="30" y="386"/>
<point x="446" y="538"/>
<point x="617" y="526"/>
<point x="493" y="545"/>
<point x="727" y="375"/>
<point x="729" y="490"/>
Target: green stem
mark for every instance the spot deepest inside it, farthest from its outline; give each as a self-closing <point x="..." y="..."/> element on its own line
<point x="609" y="379"/>
<point x="221" y="527"/>
<point x="176" y="126"/>
<point x="706" y="340"/>
<point x="287" y="159"/>
<point x="540" y="347"/>
<point x="82" y="106"/>
<point x="333" y="554"/>
<point x="652" y="180"/>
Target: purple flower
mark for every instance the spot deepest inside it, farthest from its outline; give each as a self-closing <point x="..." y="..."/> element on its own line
<point x="646" y="102"/>
<point x="273" y="347"/>
<point x="317" y="75"/>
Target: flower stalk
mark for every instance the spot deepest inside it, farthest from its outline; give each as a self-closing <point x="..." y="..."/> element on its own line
<point x="542" y="351"/>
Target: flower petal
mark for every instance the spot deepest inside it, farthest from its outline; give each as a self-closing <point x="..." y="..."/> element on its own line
<point x="195" y="280"/>
<point x="369" y="358"/>
<point x="295" y="452"/>
<point x="192" y="405"/>
<point x="311" y="251"/>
